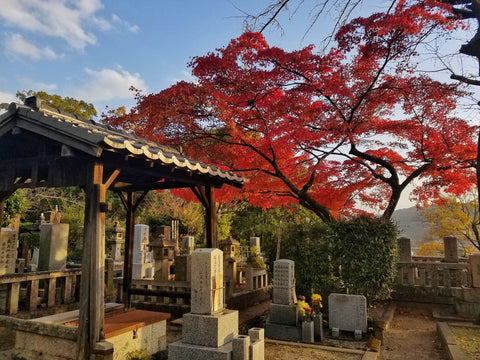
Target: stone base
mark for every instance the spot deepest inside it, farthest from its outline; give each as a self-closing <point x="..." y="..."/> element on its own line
<point x="181" y="351"/>
<point x="283" y="314"/>
<point x="283" y="332"/>
<point x="210" y="330"/>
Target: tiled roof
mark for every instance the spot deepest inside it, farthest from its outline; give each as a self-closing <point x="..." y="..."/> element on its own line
<point x="94" y="138"/>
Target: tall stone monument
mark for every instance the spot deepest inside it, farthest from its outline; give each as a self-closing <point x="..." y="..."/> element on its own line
<point x="8" y="251"/>
<point x="53" y="246"/>
<point x="142" y="265"/>
<point x="283" y="322"/>
<point x="210" y="331"/>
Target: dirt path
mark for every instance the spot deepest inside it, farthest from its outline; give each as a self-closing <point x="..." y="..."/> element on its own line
<point x="412" y="335"/>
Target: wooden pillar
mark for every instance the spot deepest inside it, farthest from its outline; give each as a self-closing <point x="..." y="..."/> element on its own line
<point x="92" y="282"/>
<point x="128" y="257"/>
<point x="211" y="218"/>
<point x="206" y="195"/>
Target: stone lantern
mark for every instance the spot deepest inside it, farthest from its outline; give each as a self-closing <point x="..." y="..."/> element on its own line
<point x="116" y="239"/>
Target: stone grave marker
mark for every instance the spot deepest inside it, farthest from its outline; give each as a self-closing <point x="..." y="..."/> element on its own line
<point x="8" y="251"/>
<point x="207" y="281"/>
<point x="451" y="249"/>
<point x="53" y="247"/>
<point x="284" y="282"/>
<point x="347" y="313"/>
<point x="188" y="244"/>
<point x="142" y="264"/>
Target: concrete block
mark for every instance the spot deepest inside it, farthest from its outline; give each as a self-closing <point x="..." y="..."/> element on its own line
<point x="181" y="351"/>
<point x="257" y="350"/>
<point x="210" y="330"/>
<point x="256" y="334"/>
<point x="335" y="332"/>
<point x="241" y="348"/>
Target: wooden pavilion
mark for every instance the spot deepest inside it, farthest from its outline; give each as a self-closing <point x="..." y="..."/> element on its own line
<point x="44" y="147"/>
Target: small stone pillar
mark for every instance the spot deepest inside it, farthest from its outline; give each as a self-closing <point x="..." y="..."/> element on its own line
<point x="404" y="249"/>
<point x="451" y="249"/>
<point x="474" y="260"/>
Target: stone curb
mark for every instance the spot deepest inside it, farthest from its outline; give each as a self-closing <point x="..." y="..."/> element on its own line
<point x="449" y="342"/>
<point x="367" y="355"/>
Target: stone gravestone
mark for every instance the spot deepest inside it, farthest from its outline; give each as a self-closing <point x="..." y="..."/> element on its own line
<point x="209" y="330"/>
<point x="474" y="261"/>
<point x="404" y="249"/>
<point x="8" y="251"/>
<point x="188" y="244"/>
<point x="451" y="249"/>
<point x="53" y="247"/>
<point x="284" y="282"/>
<point x="142" y="264"/>
<point x="183" y="266"/>
<point x="283" y="322"/>
<point x="347" y="313"/>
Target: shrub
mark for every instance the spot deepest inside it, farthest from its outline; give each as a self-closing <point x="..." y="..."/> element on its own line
<point x="364" y="255"/>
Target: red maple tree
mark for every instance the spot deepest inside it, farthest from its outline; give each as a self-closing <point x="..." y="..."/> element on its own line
<point x="335" y="132"/>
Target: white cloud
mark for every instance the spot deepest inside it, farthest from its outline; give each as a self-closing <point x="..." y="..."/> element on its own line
<point x="16" y="45"/>
<point x="57" y="18"/>
<point x="7" y="97"/>
<point x="109" y="84"/>
<point x="30" y="84"/>
<point x="185" y="75"/>
<point x="125" y="24"/>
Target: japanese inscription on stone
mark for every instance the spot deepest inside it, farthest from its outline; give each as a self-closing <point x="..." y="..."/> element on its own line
<point x="283" y="282"/>
<point x="207" y="281"/>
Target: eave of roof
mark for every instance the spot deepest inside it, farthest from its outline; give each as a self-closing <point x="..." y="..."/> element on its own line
<point x="92" y="138"/>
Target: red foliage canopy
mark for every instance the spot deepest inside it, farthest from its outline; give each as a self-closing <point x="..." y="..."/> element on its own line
<point x="334" y="132"/>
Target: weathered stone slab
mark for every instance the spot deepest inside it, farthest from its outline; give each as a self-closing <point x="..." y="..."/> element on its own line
<point x="283" y="314"/>
<point x="474" y="260"/>
<point x="8" y="251"/>
<point x="283" y="282"/>
<point x="53" y="247"/>
<point x="140" y="242"/>
<point x="283" y="332"/>
<point x="210" y="330"/>
<point x="347" y="312"/>
<point x="207" y="281"/>
<point x="188" y="244"/>
<point x="451" y="249"/>
<point x="404" y="249"/>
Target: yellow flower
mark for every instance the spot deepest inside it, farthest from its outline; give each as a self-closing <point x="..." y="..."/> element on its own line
<point x="316" y="297"/>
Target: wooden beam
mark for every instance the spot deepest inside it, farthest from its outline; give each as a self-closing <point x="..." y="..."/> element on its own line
<point x="112" y="178"/>
<point x="157" y="185"/>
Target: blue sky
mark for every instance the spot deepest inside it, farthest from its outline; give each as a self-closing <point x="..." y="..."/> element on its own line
<point x="95" y="50"/>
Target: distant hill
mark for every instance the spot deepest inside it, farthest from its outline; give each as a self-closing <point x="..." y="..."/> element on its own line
<point x="412" y="224"/>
